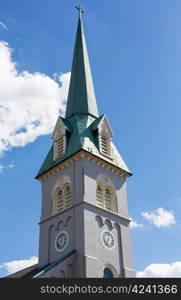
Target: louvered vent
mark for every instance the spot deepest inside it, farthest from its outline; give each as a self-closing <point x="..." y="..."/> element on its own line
<point x="60" y="147"/>
<point x="105" y="145"/>
<point x="99" y="196"/>
<point x="59" y="201"/>
<point x="67" y="195"/>
<point x="108" y="199"/>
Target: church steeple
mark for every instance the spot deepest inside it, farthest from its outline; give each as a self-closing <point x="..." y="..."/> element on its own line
<point x="81" y="96"/>
<point x="82" y="128"/>
<point x="84" y="224"/>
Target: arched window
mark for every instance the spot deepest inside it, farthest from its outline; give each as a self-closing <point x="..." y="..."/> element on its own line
<point x="106" y="193"/>
<point x="61" y="199"/>
<point x="99" y="196"/>
<point x="107" y="273"/>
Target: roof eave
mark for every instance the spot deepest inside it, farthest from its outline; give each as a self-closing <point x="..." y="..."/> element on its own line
<point x="126" y="173"/>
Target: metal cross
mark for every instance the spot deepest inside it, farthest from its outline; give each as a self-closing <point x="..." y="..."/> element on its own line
<point x="79" y="8"/>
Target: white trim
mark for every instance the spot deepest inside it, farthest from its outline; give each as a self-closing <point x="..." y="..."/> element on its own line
<point x="59" y="129"/>
<point x="90" y="204"/>
<point x="105" y="127"/>
<point x="83" y="153"/>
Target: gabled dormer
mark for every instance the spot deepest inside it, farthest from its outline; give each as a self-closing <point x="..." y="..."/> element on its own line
<point x="104" y="133"/>
<point x="59" y="137"/>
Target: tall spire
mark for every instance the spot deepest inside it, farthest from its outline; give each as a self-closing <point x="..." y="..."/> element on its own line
<point x="81" y="96"/>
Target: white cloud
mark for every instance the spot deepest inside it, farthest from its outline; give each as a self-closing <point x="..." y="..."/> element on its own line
<point x="29" y="102"/>
<point x="17" y="265"/>
<point x="134" y="224"/>
<point x="160" y="217"/>
<point x="3" y="25"/>
<point x="5" y="167"/>
<point x="161" y="270"/>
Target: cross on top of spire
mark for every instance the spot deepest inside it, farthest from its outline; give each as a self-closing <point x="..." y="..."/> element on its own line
<point x="79" y="8"/>
<point x="81" y="96"/>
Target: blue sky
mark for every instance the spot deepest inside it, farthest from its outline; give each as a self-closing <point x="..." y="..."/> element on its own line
<point x="135" y="55"/>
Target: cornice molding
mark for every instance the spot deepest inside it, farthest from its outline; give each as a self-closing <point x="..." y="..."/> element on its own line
<point x="84" y="154"/>
<point x="89" y="204"/>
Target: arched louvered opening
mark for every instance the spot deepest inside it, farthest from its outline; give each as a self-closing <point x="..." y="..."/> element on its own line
<point x="105" y="145"/>
<point x="62" y="199"/>
<point x="106" y="193"/>
<point x="67" y="195"/>
<point x="99" y="196"/>
<point x="59" y="201"/>
<point x="108" y="199"/>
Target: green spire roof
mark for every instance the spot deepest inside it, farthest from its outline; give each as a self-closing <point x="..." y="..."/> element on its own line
<point x="81" y="96"/>
<point x="82" y="119"/>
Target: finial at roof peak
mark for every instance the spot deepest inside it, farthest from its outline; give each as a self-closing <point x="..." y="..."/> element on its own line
<point x="80" y="10"/>
<point x="81" y="96"/>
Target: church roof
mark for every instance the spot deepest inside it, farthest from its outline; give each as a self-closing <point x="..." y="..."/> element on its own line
<point x="82" y="119"/>
<point x="82" y="137"/>
<point x="81" y="96"/>
<point x="39" y="271"/>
